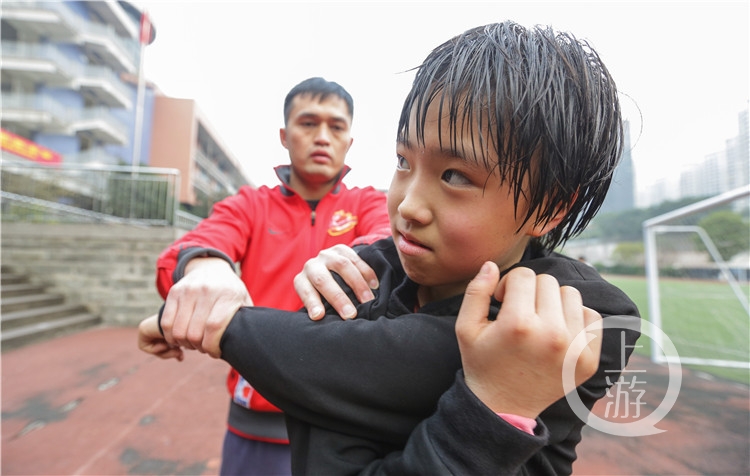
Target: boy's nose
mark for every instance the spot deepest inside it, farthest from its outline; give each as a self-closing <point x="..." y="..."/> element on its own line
<point x="414" y="207"/>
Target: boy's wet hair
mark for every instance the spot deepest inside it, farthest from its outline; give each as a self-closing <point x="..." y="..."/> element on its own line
<point x="317" y="88"/>
<point x="542" y="109"/>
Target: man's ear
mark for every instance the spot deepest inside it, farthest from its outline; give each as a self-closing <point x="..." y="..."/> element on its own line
<point x="282" y="136"/>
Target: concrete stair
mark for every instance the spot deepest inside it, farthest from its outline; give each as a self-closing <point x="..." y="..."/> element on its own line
<point x="28" y="313"/>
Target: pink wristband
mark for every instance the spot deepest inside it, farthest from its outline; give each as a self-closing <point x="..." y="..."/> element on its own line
<point x="522" y="423"/>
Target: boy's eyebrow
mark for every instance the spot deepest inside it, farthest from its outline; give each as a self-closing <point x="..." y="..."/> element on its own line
<point x="468" y="156"/>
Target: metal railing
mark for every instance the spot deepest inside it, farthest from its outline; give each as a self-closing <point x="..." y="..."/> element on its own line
<point x="80" y="193"/>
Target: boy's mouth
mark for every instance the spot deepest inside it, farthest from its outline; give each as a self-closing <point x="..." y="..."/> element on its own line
<point x="408" y="245"/>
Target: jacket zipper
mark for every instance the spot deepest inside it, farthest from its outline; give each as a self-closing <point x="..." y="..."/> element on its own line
<point x="312" y="218"/>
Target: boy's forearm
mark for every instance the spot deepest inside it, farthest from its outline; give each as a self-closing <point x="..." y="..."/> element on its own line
<point x="291" y="361"/>
<point x="465" y="437"/>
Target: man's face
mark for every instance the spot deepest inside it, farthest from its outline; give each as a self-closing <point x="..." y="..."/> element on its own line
<point x="449" y="214"/>
<point x="317" y="136"/>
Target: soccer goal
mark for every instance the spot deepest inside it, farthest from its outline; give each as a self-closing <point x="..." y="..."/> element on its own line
<point x="697" y="273"/>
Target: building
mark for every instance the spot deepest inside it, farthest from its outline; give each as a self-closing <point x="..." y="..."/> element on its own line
<point x="738" y="154"/>
<point x="621" y="194"/>
<point x="723" y="170"/>
<point x="183" y="139"/>
<point x="70" y="87"/>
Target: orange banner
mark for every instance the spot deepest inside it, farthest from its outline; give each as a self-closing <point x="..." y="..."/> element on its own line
<point x="28" y="150"/>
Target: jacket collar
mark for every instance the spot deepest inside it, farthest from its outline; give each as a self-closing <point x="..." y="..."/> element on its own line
<point x="284" y="172"/>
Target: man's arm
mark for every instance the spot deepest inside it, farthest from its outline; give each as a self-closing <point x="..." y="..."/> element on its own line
<point x="227" y="231"/>
<point x="151" y="340"/>
<point x="208" y="294"/>
<point x="315" y="282"/>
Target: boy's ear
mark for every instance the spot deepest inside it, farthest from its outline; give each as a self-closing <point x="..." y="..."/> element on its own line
<point x="541" y="229"/>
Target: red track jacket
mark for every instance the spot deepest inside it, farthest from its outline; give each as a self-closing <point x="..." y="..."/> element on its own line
<point x="271" y="233"/>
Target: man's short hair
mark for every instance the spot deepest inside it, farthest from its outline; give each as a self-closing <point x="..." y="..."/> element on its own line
<point x="318" y="88"/>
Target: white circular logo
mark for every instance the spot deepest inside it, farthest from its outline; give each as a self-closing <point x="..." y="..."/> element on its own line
<point x="642" y="426"/>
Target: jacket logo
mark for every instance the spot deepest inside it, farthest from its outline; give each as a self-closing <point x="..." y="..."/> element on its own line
<point x="341" y="222"/>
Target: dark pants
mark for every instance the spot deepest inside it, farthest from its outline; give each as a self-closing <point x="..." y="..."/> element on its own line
<point x="244" y="457"/>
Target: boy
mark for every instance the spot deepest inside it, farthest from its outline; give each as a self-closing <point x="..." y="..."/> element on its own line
<point x="507" y="143"/>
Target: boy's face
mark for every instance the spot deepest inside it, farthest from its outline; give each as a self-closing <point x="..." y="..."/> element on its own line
<point x="317" y="136"/>
<point x="450" y="214"/>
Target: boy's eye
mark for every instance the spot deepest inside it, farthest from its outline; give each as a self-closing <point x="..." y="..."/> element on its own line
<point x="454" y="177"/>
<point x="401" y="163"/>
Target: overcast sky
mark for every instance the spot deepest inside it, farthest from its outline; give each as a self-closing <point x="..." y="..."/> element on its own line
<point x="684" y="63"/>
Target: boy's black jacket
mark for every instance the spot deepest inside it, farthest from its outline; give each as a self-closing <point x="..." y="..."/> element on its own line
<point x="354" y="391"/>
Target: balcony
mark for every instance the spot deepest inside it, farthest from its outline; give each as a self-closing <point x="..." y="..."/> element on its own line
<point x="96" y="156"/>
<point x="54" y="20"/>
<point x="214" y="179"/>
<point x="104" y="47"/>
<point x="98" y="124"/>
<point x="114" y="14"/>
<point x="44" y="64"/>
<point x="34" y="112"/>
<point x="100" y="85"/>
<point x="38" y="19"/>
<point x="36" y="63"/>
<point x="38" y="112"/>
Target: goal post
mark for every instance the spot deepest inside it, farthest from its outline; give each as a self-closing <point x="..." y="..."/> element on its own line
<point x="672" y="228"/>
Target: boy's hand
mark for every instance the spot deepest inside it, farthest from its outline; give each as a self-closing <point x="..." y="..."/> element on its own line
<point x="152" y="342"/>
<point x="200" y="306"/>
<point x="514" y="363"/>
<point x="315" y="280"/>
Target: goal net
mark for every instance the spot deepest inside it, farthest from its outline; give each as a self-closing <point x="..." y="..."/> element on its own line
<point x="697" y="272"/>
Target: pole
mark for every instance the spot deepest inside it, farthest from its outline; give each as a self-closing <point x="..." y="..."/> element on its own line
<point x="144" y="37"/>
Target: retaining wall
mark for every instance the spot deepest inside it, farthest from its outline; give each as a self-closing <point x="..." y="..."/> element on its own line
<point x="108" y="268"/>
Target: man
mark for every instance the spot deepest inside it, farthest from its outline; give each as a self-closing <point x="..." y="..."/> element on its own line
<point x="272" y="232"/>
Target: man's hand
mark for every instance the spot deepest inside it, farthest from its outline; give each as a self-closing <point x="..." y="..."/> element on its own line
<point x="315" y="280"/>
<point x="514" y="363"/>
<point x="152" y="342"/>
<point x="200" y="306"/>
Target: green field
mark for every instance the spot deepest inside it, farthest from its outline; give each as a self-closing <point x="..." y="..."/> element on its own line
<point x="702" y="318"/>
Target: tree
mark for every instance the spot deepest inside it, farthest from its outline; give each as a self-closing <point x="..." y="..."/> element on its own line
<point x="629" y="253"/>
<point x="627" y="225"/>
<point x="729" y="232"/>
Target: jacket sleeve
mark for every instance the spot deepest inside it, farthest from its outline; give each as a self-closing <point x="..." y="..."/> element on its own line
<point x="462" y="437"/>
<point x="373" y="223"/>
<point x="315" y="371"/>
<point x="392" y="412"/>
<point x="227" y="231"/>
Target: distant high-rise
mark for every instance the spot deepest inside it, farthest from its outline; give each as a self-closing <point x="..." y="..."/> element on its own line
<point x="738" y="154"/>
<point x="621" y="195"/>
<point x="723" y="170"/>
